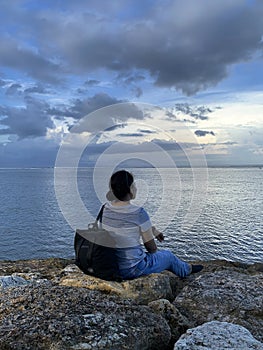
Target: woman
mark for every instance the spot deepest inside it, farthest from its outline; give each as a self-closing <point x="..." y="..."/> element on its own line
<point x="128" y="224"/>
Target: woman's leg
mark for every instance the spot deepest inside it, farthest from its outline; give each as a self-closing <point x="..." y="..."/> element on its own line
<point x="164" y="260"/>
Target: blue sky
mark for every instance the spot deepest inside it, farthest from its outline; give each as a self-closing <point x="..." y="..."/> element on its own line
<point x="201" y="61"/>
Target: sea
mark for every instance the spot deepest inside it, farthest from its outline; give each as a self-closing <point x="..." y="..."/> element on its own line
<point x="205" y="214"/>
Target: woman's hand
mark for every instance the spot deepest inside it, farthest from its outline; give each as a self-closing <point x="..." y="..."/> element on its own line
<point x="158" y="235"/>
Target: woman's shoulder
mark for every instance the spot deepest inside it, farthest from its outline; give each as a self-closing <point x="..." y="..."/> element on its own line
<point x="129" y="208"/>
<point x="138" y="209"/>
<point x="140" y="212"/>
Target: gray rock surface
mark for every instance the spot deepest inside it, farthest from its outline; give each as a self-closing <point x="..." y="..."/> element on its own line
<point x="142" y="290"/>
<point x="55" y="317"/>
<point x="217" y="335"/>
<point x="12" y="281"/>
<point x="177" y="322"/>
<point x="61" y="308"/>
<point x="226" y="295"/>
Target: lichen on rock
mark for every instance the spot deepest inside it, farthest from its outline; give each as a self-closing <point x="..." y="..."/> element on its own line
<point x="229" y="295"/>
<point x="43" y="317"/>
<point x="217" y="335"/>
<point x="141" y="290"/>
<point x="58" y="307"/>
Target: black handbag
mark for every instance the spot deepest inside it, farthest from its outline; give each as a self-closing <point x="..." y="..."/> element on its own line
<point x="95" y="252"/>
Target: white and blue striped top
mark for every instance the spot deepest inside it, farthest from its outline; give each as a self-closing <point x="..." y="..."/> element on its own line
<point x="125" y="224"/>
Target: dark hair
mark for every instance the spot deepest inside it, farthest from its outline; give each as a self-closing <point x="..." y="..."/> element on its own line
<point x="120" y="183"/>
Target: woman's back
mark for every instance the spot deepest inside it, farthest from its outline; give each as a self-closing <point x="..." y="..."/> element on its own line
<point x="125" y="224"/>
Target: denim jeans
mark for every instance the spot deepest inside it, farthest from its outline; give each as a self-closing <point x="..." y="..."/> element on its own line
<point x="158" y="262"/>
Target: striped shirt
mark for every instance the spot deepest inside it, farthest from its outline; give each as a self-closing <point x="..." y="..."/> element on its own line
<point x="125" y="224"/>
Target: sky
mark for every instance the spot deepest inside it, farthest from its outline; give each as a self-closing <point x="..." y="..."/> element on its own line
<point x="200" y="62"/>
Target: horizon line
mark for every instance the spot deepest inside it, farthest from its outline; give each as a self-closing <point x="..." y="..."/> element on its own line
<point x="146" y="167"/>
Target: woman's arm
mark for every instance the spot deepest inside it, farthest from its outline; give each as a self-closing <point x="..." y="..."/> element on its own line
<point x="158" y="235"/>
<point x="148" y="241"/>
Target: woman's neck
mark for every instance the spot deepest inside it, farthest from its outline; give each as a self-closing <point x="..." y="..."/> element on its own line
<point x="120" y="203"/>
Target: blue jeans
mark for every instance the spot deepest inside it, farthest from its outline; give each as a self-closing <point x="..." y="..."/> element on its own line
<point x="158" y="262"/>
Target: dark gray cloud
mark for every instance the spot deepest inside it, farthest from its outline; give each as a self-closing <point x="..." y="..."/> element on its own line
<point x="36" y="65"/>
<point x="199" y="112"/>
<point x="188" y="45"/>
<point x="80" y="108"/>
<point x="32" y="120"/>
<point x="202" y="133"/>
<point x="227" y="143"/>
<point x="115" y="127"/>
<point x="132" y="134"/>
<point x="139" y="133"/>
<point x="191" y="113"/>
<point x="146" y="131"/>
<point x="36" y="116"/>
<point x="91" y="82"/>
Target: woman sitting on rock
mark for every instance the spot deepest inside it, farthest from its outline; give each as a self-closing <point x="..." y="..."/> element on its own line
<point x="128" y="223"/>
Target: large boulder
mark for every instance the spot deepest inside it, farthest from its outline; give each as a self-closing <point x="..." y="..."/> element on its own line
<point x="42" y="317"/>
<point x="51" y="304"/>
<point x="229" y="295"/>
<point x="142" y="290"/>
<point x="217" y="335"/>
<point x="65" y="273"/>
<point x="34" y="269"/>
<point x="177" y="322"/>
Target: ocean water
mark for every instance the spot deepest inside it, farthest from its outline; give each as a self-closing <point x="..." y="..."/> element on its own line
<point x="219" y="217"/>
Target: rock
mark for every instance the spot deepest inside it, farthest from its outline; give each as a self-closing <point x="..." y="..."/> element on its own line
<point x="12" y="281"/>
<point x="177" y="322"/>
<point x="41" y="317"/>
<point x="54" y="311"/>
<point x="225" y="295"/>
<point x="217" y="335"/>
<point x="142" y="290"/>
<point x="47" y="269"/>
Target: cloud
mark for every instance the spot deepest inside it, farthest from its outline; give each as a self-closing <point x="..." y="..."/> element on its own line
<point x="32" y="120"/>
<point x="183" y="112"/>
<point x="189" y="45"/>
<point x="115" y="127"/>
<point x="13" y="55"/>
<point x="201" y="133"/>
<point x="146" y="131"/>
<point x="80" y="108"/>
<point x="3" y="83"/>
<point x="14" y="89"/>
<point x="39" y="89"/>
<point x="37" y="115"/>
<point x="133" y="134"/>
<point x="199" y="112"/>
<point x="91" y="82"/>
<point x="130" y="78"/>
<point x="51" y="58"/>
<point x="137" y="91"/>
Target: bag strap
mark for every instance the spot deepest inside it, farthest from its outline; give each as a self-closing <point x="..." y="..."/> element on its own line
<point x="99" y="216"/>
<point x="90" y="250"/>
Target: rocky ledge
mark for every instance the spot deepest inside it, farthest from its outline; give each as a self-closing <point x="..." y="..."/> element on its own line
<point x="51" y="304"/>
